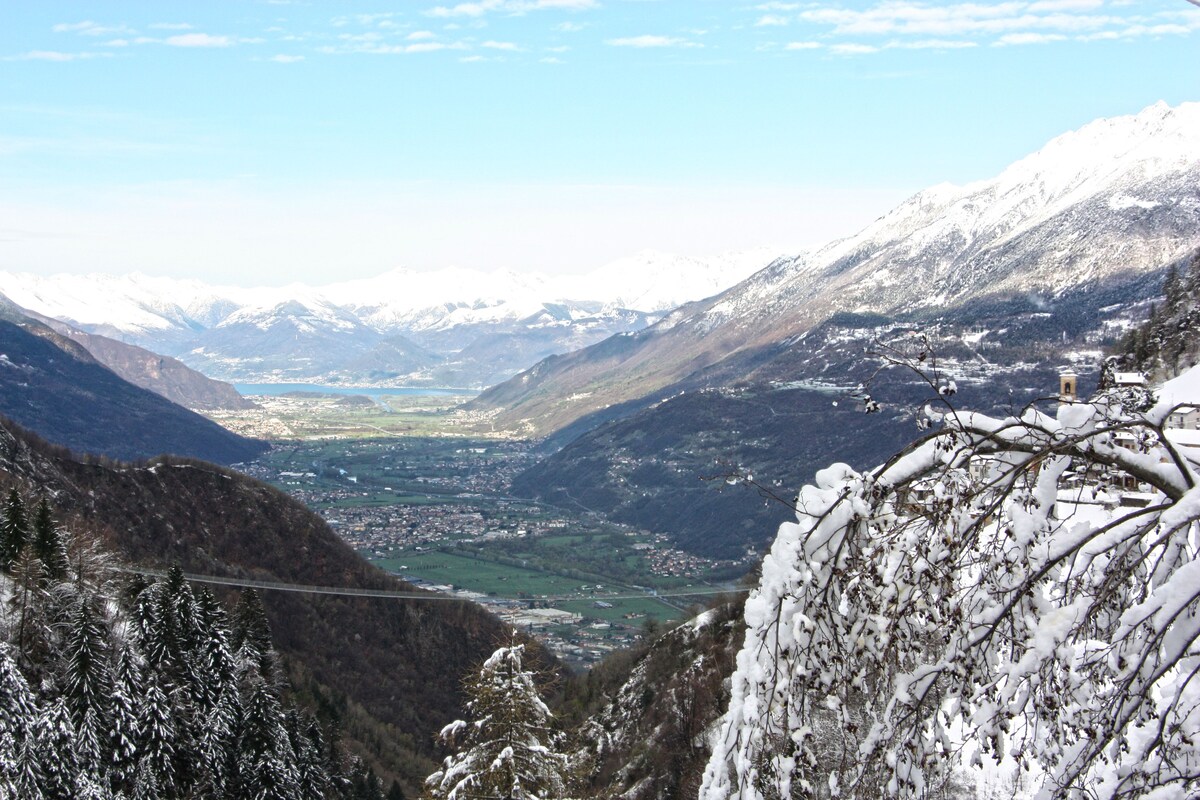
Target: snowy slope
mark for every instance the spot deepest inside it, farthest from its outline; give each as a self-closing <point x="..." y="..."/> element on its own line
<point x="1111" y="202"/>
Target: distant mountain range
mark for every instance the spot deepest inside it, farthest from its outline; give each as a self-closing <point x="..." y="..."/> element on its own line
<point x="452" y="327"/>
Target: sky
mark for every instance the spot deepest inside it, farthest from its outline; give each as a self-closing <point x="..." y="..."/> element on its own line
<point x="260" y="143"/>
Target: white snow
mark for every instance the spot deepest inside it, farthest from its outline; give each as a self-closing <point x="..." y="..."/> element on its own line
<point x="1183" y="389"/>
<point x="137" y="304"/>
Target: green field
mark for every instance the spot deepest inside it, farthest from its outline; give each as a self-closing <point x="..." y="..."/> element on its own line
<point x="501" y="580"/>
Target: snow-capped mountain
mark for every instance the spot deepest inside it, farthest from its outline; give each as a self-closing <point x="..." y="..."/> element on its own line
<point x="453" y="326"/>
<point x="1113" y="201"/>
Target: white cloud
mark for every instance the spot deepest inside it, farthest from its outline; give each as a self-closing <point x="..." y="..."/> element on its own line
<point x="964" y="24"/>
<point x="1065" y="5"/>
<point x="283" y="58"/>
<point x="432" y="47"/>
<point x="1028" y="38"/>
<point x="199" y="40"/>
<point x="852" y="49"/>
<point x="378" y="48"/>
<point x="55" y="55"/>
<point x="803" y="46"/>
<point x="569" y="27"/>
<point x="651" y="41"/>
<point x="366" y="20"/>
<point x="90" y="28"/>
<point x="769" y="20"/>
<point x="507" y="46"/>
<point x="953" y="20"/>
<point x="419" y="35"/>
<point x="483" y="7"/>
<point x="933" y="44"/>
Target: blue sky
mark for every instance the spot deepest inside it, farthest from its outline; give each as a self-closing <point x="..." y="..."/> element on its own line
<point x="264" y="142"/>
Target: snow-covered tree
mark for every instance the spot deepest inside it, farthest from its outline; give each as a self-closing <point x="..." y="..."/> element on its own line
<point x="986" y="596"/>
<point x="504" y="749"/>
<point x="14" y="529"/>
<point x="266" y="765"/>
<point x="88" y="680"/>
<point x="48" y="544"/>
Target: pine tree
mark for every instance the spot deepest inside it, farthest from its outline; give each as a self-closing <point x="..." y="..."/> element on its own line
<point x="17" y="706"/>
<point x="48" y="543"/>
<point x="252" y="635"/>
<point x="266" y="765"/>
<point x="123" y="732"/>
<point x="364" y="783"/>
<point x="17" y="713"/>
<point x="308" y="745"/>
<point x="506" y="751"/>
<point x="14" y="530"/>
<point x="28" y="601"/>
<point x="58" y="765"/>
<point x="27" y="777"/>
<point x="145" y="786"/>
<point x="88" y="681"/>
<point x="217" y="702"/>
<point x="156" y="742"/>
<point x="1173" y="291"/>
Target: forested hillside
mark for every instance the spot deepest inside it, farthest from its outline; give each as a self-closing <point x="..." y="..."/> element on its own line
<point x="115" y="687"/>
<point x="389" y="669"/>
<point x="1168" y="342"/>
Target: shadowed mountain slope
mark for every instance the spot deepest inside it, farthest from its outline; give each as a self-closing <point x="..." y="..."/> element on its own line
<point x="55" y="387"/>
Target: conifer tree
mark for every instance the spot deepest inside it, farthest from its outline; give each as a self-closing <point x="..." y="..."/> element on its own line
<point x="17" y="707"/>
<point x="29" y="607"/>
<point x="307" y="743"/>
<point x="266" y="765"/>
<point x="123" y="733"/>
<point x="27" y="778"/>
<point x="156" y="743"/>
<point x="48" y="544"/>
<point x="58" y="765"/>
<point x="88" y="681"/>
<point x="217" y="703"/>
<point x="17" y="711"/>
<point x="14" y="530"/>
<point x="252" y="635"/>
<point x="506" y="751"/>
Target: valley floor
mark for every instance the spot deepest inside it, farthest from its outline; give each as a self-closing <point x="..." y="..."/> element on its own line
<point x="421" y="492"/>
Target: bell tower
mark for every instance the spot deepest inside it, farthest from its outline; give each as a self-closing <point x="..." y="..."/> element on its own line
<point x="1068" y="386"/>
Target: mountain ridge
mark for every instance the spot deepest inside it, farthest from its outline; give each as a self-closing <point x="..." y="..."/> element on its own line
<point x="1039" y="229"/>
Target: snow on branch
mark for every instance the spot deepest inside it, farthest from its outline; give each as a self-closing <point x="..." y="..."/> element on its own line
<point x="1020" y="591"/>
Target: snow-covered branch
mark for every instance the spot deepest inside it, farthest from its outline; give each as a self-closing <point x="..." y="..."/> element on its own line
<point x="1020" y="590"/>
